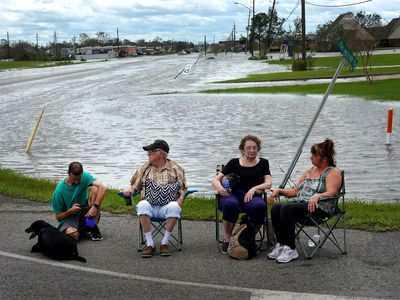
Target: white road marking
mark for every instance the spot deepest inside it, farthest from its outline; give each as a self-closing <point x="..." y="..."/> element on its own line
<point x="256" y="294"/>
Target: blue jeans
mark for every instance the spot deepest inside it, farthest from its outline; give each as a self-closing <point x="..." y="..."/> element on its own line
<point x="233" y="204"/>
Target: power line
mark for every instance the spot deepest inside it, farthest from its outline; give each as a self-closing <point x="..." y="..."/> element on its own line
<point x="280" y="27"/>
<point x="341" y="5"/>
<point x="295" y="7"/>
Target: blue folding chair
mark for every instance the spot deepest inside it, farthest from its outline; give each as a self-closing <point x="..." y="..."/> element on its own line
<point x="158" y="225"/>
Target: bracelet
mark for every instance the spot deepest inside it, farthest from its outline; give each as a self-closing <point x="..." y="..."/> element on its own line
<point x="96" y="205"/>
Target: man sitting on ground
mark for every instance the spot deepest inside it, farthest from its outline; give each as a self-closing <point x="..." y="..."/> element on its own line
<point x="77" y="197"/>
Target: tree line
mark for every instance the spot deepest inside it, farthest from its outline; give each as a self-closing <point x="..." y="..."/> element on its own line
<point x="265" y="29"/>
<point x="23" y="50"/>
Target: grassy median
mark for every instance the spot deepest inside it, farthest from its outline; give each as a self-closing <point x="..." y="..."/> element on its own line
<point x="26" y="64"/>
<point x="365" y="215"/>
<point x="384" y="90"/>
<point x="325" y="67"/>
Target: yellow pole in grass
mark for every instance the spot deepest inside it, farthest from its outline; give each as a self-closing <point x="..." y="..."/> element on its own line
<point x="33" y="133"/>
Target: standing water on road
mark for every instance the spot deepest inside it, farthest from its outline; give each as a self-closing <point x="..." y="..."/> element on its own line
<point x="102" y="113"/>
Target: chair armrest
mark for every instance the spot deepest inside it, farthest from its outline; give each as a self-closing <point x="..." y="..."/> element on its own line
<point x="328" y="204"/>
<point x="190" y="191"/>
<point x="128" y="199"/>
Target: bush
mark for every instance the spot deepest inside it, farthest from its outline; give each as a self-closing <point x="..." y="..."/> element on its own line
<point x="299" y="65"/>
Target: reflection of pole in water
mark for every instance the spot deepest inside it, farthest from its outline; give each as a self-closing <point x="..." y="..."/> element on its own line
<point x="389" y="150"/>
<point x="389" y="125"/>
<point x="33" y="133"/>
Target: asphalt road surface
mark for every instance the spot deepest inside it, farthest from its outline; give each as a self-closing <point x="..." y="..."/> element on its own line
<point x="115" y="270"/>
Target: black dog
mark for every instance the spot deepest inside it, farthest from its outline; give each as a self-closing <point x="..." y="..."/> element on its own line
<point x="53" y="243"/>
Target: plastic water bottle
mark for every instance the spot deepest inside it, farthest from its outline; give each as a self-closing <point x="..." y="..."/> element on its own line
<point x="225" y="184"/>
<point x="314" y="241"/>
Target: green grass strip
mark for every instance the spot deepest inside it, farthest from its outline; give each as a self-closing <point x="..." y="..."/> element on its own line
<point x="5" y="65"/>
<point x="325" y="67"/>
<point x="385" y="90"/>
<point x="313" y="74"/>
<point x="370" y="216"/>
<point x="333" y="61"/>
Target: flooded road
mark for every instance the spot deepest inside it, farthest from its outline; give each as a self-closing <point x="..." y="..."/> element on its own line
<point x="102" y="113"/>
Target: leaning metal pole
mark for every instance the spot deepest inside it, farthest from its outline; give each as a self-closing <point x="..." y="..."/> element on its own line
<point x="298" y="153"/>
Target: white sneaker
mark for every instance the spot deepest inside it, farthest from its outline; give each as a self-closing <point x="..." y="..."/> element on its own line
<point x="276" y="251"/>
<point x="287" y="255"/>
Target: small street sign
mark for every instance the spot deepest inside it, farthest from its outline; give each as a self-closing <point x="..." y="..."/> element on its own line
<point x="347" y="53"/>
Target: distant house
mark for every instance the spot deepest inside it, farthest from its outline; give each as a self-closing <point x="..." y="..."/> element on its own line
<point x="349" y="25"/>
<point x="347" y="28"/>
<point x="387" y="36"/>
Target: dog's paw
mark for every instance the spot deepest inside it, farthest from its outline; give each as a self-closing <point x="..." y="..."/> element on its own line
<point x="36" y="248"/>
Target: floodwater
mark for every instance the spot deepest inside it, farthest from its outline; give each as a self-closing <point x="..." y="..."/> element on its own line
<point x="102" y="113"/>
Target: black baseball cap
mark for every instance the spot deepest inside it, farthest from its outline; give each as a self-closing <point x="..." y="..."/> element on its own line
<point x="157" y="144"/>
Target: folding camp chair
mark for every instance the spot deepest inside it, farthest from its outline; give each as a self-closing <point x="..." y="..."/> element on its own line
<point x="262" y="232"/>
<point x="326" y="226"/>
<point x="158" y="225"/>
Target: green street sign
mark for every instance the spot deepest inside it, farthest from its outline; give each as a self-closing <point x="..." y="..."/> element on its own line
<point x="346" y="52"/>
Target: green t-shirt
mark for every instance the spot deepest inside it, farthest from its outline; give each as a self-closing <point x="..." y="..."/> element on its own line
<point x="65" y="196"/>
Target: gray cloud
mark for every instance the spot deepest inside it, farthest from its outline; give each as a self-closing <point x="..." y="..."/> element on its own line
<point x="168" y="19"/>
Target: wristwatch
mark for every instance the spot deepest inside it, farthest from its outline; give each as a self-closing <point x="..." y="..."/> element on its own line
<point x="96" y="205"/>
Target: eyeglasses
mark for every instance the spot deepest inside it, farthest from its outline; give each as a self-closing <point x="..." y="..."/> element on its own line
<point x="248" y="148"/>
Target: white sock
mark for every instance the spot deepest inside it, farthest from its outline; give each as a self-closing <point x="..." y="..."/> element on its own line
<point x="149" y="239"/>
<point x="165" y="240"/>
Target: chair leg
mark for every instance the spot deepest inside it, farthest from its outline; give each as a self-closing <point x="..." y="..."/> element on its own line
<point x="260" y="236"/>
<point x="217" y="224"/>
<point x="180" y="242"/>
<point x="327" y="233"/>
<point x="344" y="234"/>
<point x="159" y="228"/>
<point x="141" y="239"/>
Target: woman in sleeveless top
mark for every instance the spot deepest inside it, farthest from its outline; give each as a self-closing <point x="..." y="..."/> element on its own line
<point x="323" y="179"/>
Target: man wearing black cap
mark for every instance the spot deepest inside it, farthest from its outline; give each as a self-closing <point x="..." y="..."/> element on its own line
<point x="162" y="184"/>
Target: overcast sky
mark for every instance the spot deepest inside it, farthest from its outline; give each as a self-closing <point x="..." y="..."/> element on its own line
<point x="189" y="20"/>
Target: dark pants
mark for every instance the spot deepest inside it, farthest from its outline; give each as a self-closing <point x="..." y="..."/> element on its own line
<point x="284" y="217"/>
<point x="233" y="204"/>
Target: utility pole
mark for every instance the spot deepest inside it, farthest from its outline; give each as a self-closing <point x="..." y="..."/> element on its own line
<point x="270" y="24"/>
<point x="73" y="44"/>
<point x="303" y="30"/>
<point x="55" y="43"/>
<point x="117" y="41"/>
<point x="37" y="46"/>
<point x="247" y="32"/>
<point x="234" y="35"/>
<point x="8" y="47"/>
<point x="205" y="45"/>
<point x="252" y="29"/>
